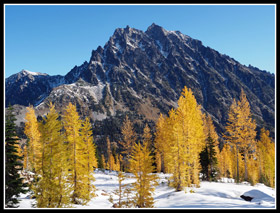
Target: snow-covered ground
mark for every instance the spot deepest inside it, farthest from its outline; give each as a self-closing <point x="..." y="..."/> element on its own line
<point x="224" y="194"/>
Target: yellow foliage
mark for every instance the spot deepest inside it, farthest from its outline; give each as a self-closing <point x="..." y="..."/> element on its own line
<point x="225" y="159"/>
<point x="141" y="165"/>
<point x="266" y="158"/>
<point x="240" y="132"/>
<point x="31" y="130"/>
<point x="81" y="153"/>
<point x="51" y="191"/>
<point x="128" y="140"/>
<point x="179" y="140"/>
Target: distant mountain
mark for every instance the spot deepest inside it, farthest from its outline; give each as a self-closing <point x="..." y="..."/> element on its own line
<point x="27" y="87"/>
<point x="143" y="73"/>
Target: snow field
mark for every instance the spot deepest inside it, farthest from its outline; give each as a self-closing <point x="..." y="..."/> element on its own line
<point x="220" y="195"/>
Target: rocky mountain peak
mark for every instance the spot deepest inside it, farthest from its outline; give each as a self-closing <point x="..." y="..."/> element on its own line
<point x="156" y="29"/>
<point x="144" y="72"/>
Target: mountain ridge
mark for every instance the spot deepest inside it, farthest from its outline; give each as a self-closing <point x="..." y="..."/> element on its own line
<point x="144" y="73"/>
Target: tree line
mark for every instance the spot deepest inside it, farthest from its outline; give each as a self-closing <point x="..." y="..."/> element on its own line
<point x="60" y="153"/>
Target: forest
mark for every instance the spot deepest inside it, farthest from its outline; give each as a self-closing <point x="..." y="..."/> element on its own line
<point x="58" y="161"/>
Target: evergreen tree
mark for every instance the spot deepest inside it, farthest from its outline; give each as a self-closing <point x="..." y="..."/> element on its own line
<point x="14" y="184"/>
<point x="141" y="165"/>
<point x="208" y="157"/>
<point x="208" y="161"/>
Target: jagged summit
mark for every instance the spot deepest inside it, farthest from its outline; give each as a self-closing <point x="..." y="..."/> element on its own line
<point x="154" y="27"/>
<point x="143" y="73"/>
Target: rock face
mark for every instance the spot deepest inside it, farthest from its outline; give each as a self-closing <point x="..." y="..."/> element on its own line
<point x="27" y="87"/>
<point x="143" y="73"/>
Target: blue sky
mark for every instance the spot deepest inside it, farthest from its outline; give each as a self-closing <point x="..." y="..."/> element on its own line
<point x="53" y="39"/>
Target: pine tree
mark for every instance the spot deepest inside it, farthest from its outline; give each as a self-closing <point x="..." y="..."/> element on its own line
<point x="14" y="184"/>
<point x="208" y="161"/>
<point x="208" y="157"/>
<point x="141" y="165"/>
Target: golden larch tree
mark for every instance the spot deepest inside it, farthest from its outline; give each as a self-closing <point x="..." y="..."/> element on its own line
<point x="240" y="132"/>
<point x="225" y="159"/>
<point x="266" y="159"/>
<point x="91" y="160"/>
<point x="141" y="165"/>
<point x="190" y="124"/>
<point x="247" y="132"/>
<point x="179" y="140"/>
<point x="232" y="135"/>
<point x="160" y="142"/>
<point x="147" y="136"/>
<point x="128" y="140"/>
<point x="77" y="154"/>
<point x="51" y="191"/>
<point x="33" y="134"/>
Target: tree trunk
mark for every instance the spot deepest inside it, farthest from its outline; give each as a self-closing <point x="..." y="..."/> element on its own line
<point x="246" y="169"/>
<point x="237" y="165"/>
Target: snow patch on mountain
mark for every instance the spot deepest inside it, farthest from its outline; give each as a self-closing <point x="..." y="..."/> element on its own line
<point x="27" y="72"/>
<point x="164" y="53"/>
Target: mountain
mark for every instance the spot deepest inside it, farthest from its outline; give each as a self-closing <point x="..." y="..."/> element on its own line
<point x="142" y="74"/>
<point x="28" y="87"/>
